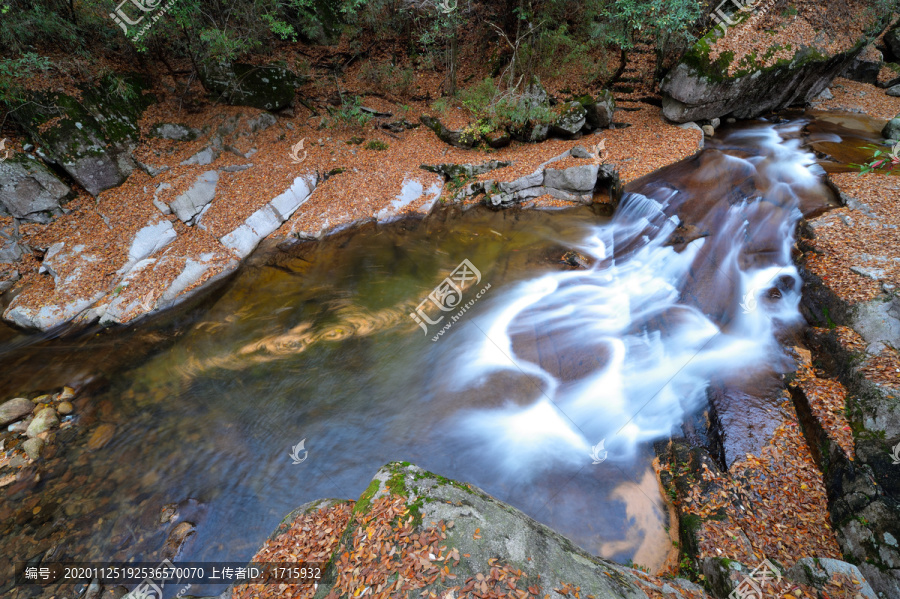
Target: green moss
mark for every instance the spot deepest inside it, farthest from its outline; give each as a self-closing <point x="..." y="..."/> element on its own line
<point x="362" y="504"/>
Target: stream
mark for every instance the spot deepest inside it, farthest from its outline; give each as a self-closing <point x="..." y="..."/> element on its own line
<point x="547" y="387"/>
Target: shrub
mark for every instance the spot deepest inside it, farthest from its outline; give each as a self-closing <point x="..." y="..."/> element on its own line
<point x="376" y="144"/>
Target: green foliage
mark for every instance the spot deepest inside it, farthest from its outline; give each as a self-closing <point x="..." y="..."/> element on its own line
<point x="13" y="72"/>
<point x="376" y="144"/>
<point x="350" y="114"/>
<point x="887" y="162"/>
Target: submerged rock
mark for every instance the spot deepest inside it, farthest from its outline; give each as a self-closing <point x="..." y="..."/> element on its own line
<point x="44" y="420"/>
<point x="892" y="129"/>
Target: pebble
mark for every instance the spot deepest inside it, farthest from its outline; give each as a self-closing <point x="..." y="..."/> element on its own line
<point x="33" y="448"/>
<point x="708" y="130"/>
<point x="64" y="408"/>
<point x="41" y="399"/>
<point x="67" y="393"/>
<point x="14" y="409"/>
<point x="43" y="421"/>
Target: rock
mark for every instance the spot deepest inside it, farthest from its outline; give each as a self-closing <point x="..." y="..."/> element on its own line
<point x="498" y="139"/>
<point x="486" y="533"/>
<point x="43" y="421"/>
<point x="466" y="171"/>
<point x="446" y="135"/>
<point x="192" y="202"/>
<point x="264" y="221"/>
<point x="893" y="91"/>
<point x="708" y="130"/>
<point x="572" y="118"/>
<point x="177" y="538"/>
<point x="19" y="427"/>
<point x="267" y="87"/>
<point x="864" y="70"/>
<point x="64" y="408"/>
<point x="581" y="152"/>
<point x="174" y="132"/>
<point x="29" y="191"/>
<point x="697" y="89"/>
<point x="33" y="447"/>
<point x="892" y="42"/>
<point x="15" y="409"/>
<point x="147" y="241"/>
<point x="598" y="111"/>
<point x="892" y="129"/>
<point x="194" y="269"/>
<point x="66" y="393"/>
<point x="260" y="122"/>
<point x="823" y="96"/>
<point x="818" y="571"/>
<point x="714" y="123"/>
<point x="575" y="183"/>
<point x="10" y="250"/>
<point x="207" y="155"/>
<point x="411" y="191"/>
<point x="102" y="435"/>
<point x="90" y="137"/>
<point x="125" y="304"/>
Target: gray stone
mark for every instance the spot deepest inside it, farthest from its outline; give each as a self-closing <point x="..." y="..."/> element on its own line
<point x="580" y="152"/>
<point x="571" y="120"/>
<point x="29" y="190"/>
<point x="863" y="70"/>
<point x="892" y="129"/>
<point x="174" y="132"/>
<point x="33" y="447"/>
<point x="43" y="421"/>
<point x="207" y="155"/>
<point x="452" y="171"/>
<point x="10" y="250"/>
<point x="893" y="91"/>
<point x="148" y="241"/>
<point x="708" y="130"/>
<point x="189" y="204"/>
<point x="823" y="96"/>
<point x="599" y="110"/>
<point x="578" y="180"/>
<point x="15" y="409"/>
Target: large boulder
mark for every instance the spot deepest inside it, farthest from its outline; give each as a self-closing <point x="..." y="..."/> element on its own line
<point x="892" y="42"/>
<point x="29" y="191"/>
<point x="599" y="110"/>
<point x="701" y="88"/>
<point x="267" y="87"/>
<point x="864" y="69"/>
<point x="90" y="137"/>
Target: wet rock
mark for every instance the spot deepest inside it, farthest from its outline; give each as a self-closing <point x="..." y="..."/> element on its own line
<point x="191" y="204"/>
<point x="19" y="427"/>
<point x="708" y="130"/>
<point x="892" y="129"/>
<point x="102" y="435"/>
<point x="93" y="590"/>
<point x="114" y="593"/>
<point x="574" y="259"/>
<point x="267" y="87"/>
<point x="92" y="136"/>
<point x="174" y="132"/>
<point x="177" y="538"/>
<point x="30" y="191"/>
<point x="43" y="421"/>
<point x="33" y="447"/>
<point x="66" y="394"/>
<point x="15" y="409"/>
<point x="168" y="513"/>
<point x="64" y="408"/>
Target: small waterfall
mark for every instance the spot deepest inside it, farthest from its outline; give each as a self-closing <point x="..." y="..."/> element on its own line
<point x="638" y="336"/>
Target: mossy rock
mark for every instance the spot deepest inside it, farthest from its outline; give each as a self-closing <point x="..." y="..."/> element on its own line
<point x="91" y="138"/>
<point x="267" y="87"/>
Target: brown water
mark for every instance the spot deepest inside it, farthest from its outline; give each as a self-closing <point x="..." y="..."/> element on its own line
<point x="317" y="344"/>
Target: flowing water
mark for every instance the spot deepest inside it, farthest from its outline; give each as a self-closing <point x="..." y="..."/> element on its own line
<point x="546" y="388"/>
